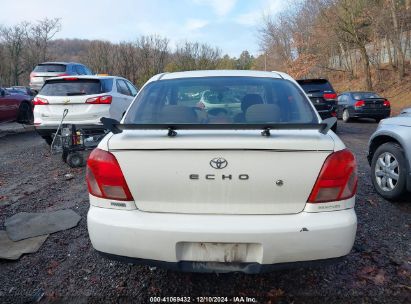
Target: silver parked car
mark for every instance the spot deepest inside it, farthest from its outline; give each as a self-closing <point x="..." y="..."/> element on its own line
<point x="46" y="70"/>
<point x="389" y="155"/>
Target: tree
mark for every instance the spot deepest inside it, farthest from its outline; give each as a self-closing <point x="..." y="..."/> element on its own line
<point x="226" y="63"/>
<point x="351" y="21"/>
<point x="276" y="40"/>
<point x="13" y="39"/>
<point x="194" y="56"/>
<point x="245" y="61"/>
<point x="38" y="37"/>
<point x="400" y="22"/>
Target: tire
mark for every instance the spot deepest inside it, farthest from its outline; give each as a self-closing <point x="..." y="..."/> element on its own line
<point x="389" y="171"/>
<point x="377" y="120"/>
<point x="25" y="115"/>
<point x="75" y="160"/>
<point x="346" y="116"/>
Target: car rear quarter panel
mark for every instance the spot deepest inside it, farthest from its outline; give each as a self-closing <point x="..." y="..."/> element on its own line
<point x="401" y="134"/>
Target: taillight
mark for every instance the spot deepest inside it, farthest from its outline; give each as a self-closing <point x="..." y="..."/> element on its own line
<point x="387" y="103"/>
<point x="359" y="104"/>
<point x="337" y="180"/>
<point x="330" y="96"/>
<point x="105" y="178"/>
<point x="38" y="101"/>
<point x="70" y="78"/>
<point x="107" y="99"/>
<point x="64" y="74"/>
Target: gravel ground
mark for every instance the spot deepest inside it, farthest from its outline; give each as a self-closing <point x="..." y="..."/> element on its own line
<point x="67" y="269"/>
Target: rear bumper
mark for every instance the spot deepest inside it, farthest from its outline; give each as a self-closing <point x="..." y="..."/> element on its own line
<point x="250" y="268"/>
<point x="47" y="130"/>
<point x="364" y="113"/>
<point x="158" y="238"/>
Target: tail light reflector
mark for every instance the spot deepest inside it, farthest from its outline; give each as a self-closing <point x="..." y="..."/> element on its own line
<point x="330" y="96"/>
<point x="387" y="103"/>
<point x="337" y="180"/>
<point x="38" y="101"/>
<point x="105" y="178"/>
<point x="107" y="99"/>
<point x="359" y="104"/>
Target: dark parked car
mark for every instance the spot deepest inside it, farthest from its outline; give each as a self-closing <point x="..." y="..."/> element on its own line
<point x="389" y="154"/>
<point x="15" y="107"/>
<point x="352" y="105"/>
<point x="322" y="95"/>
<point x="54" y="69"/>
<point x="21" y="90"/>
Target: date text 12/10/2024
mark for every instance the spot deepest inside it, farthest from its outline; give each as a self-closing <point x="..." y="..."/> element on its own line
<point x="205" y="299"/>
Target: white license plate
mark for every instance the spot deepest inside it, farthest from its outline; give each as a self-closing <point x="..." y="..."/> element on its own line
<point x="219" y="252"/>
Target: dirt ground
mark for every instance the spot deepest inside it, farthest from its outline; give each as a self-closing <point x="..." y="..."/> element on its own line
<point x="67" y="269"/>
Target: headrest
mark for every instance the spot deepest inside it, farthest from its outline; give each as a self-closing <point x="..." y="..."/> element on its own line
<point x="249" y="100"/>
<point x="178" y="114"/>
<point x="261" y="113"/>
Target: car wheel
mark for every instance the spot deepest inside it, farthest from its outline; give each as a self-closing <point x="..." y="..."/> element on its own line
<point x="389" y="171"/>
<point x="75" y="160"/>
<point x="25" y="115"/>
<point x="346" y="116"/>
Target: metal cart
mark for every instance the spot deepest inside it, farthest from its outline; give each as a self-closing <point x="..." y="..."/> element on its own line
<point x="73" y="140"/>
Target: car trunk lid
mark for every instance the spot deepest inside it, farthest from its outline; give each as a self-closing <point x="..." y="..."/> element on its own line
<point x="256" y="175"/>
<point x="374" y="103"/>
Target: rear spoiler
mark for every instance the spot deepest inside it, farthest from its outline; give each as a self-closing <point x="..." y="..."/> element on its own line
<point x="116" y="127"/>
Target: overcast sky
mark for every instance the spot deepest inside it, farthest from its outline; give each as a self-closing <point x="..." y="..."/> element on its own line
<point x="228" y="24"/>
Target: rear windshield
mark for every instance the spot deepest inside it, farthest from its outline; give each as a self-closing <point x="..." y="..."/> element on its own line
<point x="64" y="87"/>
<point x="365" y="95"/>
<point x="221" y="100"/>
<point x="50" y="68"/>
<point x="311" y="86"/>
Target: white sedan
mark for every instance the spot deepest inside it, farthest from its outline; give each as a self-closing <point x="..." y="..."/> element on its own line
<point x="171" y="188"/>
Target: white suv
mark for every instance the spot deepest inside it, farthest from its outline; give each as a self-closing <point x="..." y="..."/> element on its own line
<point x="87" y="99"/>
<point x="248" y="189"/>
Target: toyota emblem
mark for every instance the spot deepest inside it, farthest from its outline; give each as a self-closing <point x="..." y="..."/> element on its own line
<point x="218" y="163"/>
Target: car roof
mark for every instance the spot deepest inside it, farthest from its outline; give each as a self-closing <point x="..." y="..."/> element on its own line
<point x="311" y="79"/>
<point x="85" y="77"/>
<point x="220" y="73"/>
<point x="353" y="92"/>
<point x="58" y="62"/>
